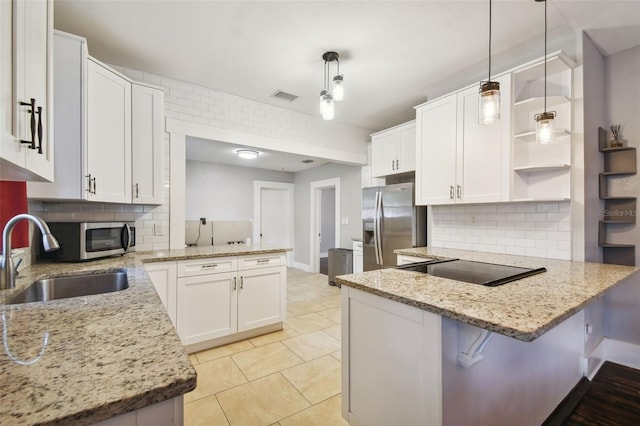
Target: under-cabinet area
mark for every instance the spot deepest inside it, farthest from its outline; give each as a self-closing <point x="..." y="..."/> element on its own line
<point x="217" y="300"/>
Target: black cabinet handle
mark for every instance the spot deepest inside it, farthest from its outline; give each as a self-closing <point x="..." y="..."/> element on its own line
<point x="32" y="111"/>
<point x="39" y="130"/>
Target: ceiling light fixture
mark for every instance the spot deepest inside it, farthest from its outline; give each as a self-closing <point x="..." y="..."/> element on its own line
<point x="327" y="99"/>
<point x="247" y="153"/>
<point x="489" y="99"/>
<point x="545" y="121"/>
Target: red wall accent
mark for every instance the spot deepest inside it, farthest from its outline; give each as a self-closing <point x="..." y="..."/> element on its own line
<point x="13" y="201"/>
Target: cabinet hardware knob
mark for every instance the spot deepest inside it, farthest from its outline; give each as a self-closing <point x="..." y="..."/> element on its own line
<point x="264" y="260"/>
<point x="212" y="265"/>
<point x="32" y="123"/>
<point x="459" y="191"/>
<point x="39" y="130"/>
<point x="137" y="190"/>
<point x="397" y="164"/>
<point x="94" y="185"/>
<point x="241" y="283"/>
<point x="393" y="167"/>
<point x="451" y="192"/>
<point x="88" y="188"/>
<point x="234" y="283"/>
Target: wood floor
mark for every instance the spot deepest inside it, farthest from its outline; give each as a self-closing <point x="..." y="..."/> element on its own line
<point x="611" y="399"/>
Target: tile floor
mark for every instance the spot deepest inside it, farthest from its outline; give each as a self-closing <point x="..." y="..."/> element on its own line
<point x="290" y="377"/>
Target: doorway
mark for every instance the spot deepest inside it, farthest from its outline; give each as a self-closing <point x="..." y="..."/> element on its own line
<point x="273" y="214"/>
<point x="325" y="222"/>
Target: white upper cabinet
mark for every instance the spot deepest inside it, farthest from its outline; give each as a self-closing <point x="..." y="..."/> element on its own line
<point x="459" y="160"/>
<point x="393" y="150"/>
<point x="109" y="133"/>
<point x="146" y="112"/>
<point x="26" y="144"/>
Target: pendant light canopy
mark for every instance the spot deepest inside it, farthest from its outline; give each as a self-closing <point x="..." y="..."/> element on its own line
<point x="327" y="99"/>
<point x="545" y="121"/>
<point x="489" y="99"/>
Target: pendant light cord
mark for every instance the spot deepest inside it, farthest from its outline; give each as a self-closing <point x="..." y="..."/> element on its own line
<point x="545" y="56"/>
<point x="489" y="79"/>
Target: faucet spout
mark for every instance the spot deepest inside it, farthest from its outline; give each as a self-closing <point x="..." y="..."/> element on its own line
<point x="7" y="268"/>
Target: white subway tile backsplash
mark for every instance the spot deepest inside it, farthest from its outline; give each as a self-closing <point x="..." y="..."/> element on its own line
<point x="532" y="229"/>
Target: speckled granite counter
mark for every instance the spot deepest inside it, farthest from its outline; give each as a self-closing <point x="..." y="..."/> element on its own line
<point x="104" y="355"/>
<point x="524" y="309"/>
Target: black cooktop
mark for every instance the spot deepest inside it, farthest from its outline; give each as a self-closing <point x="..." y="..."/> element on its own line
<point x="489" y="274"/>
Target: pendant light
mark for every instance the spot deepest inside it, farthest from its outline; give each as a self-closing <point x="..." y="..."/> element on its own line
<point x="327" y="100"/>
<point x="489" y="99"/>
<point x="545" y="121"/>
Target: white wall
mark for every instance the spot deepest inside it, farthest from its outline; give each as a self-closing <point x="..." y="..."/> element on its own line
<point x="327" y="219"/>
<point x="350" y="205"/>
<point x="622" y="91"/>
<point x="223" y="192"/>
<point x="528" y="229"/>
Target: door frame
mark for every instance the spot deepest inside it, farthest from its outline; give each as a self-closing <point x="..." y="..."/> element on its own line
<point x="258" y="186"/>
<point x="314" y="228"/>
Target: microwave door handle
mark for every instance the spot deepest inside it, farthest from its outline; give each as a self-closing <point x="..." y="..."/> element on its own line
<point x="126" y="237"/>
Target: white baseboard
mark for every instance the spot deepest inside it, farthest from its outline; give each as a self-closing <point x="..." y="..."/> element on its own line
<point x="615" y="351"/>
<point x="302" y="266"/>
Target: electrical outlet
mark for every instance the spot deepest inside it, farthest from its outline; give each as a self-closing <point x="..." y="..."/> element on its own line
<point x="203" y="220"/>
<point x="158" y="229"/>
<point x="345" y="220"/>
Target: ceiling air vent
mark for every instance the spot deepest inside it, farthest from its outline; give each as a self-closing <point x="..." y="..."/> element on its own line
<point x="284" y="96"/>
<point x="307" y="161"/>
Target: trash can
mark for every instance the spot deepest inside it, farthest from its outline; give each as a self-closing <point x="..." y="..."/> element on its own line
<point x="340" y="263"/>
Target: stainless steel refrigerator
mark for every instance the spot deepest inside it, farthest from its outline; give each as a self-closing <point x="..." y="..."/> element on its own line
<point x="390" y="221"/>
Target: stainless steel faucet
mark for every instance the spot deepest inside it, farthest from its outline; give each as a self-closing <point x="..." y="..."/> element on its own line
<point x="7" y="268"/>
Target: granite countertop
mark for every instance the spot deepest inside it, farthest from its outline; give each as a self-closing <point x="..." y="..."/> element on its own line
<point x="84" y="359"/>
<point x="523" y="309"/>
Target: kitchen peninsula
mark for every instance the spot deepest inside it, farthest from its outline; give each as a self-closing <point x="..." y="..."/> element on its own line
<point x="449" y="352"/>
<point x="113" y="356"/>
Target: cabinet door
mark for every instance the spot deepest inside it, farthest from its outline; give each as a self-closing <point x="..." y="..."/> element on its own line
<point x="358" y="259"/>
<point x="406" y="149"/>
<point x="483" y="150"/>
<point x="383" y="154"/>
<point x="207" y="307"/>
<point x="436" y="151"/>
<point x="261" y="297"/>
<point x="164" y="278"/>
<point x="25" y="75"/>
<point x="146" y="141"/>
<point x="108" y="134"/>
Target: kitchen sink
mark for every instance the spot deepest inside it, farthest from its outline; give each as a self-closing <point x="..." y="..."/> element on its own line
<point x="73" y="286"/>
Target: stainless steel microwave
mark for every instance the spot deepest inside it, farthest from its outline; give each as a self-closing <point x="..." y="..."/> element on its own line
<point x="90" y="240"/>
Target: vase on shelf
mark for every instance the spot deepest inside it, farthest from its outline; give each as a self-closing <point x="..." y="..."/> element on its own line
<point x="616" y="143"/>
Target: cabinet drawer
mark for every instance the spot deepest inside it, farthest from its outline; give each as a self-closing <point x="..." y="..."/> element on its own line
<point x="261" y="261"/>
<point x="190" y="268"/>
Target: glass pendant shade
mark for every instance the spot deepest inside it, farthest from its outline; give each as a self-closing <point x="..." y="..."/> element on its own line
<point x="338" y="88"/>
<point x="489" y="103"/>
<point x="545" y="127"/>
<point x="326" y="105"/>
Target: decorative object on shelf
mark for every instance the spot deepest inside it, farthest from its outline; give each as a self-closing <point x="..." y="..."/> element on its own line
<point x="327" y="99"/>
<point x="489" y="99"/>
<point x="248" y="154"/>
<point x="616" y="131"/>
<point x="545" y="121"/>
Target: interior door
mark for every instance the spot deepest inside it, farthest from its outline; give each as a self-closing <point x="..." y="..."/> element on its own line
<point x="274" y="217"/>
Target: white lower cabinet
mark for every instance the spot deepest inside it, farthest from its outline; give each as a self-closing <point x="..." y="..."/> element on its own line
<point x="403" y="259"/>
<point x="358" y="260"/>
<point x="210" y="301"/>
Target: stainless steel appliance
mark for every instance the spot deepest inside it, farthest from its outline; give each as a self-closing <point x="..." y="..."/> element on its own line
<point x="90" y="240"/>
<point x="488" y="274"/>
<point x="390" y="221"/>
<point x="340" y="263"/>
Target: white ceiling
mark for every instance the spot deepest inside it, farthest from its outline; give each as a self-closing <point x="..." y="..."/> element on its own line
<point x="394" y="54"/>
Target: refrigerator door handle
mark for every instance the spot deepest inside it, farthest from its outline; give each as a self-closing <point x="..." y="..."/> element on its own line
<point x="378" y="239"/>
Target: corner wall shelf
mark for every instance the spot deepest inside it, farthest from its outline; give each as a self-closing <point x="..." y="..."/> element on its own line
<point x="618" y="210"/>
<point x="530" y="136"/>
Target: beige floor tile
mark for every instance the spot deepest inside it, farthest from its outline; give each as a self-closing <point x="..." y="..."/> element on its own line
<point x="261" y="402"/>
<point x="333" y="314"/>
<point x="331" y="301"/>
<point x="312" y="345"/>
<point x="276" y="336"/>
<point x="222" y="351"/>
<point x="265" y="360"/>
<point x="193" y="359"/>
<point x="215" y="376"/>
<point x="316" y="380"/>
<point x="304" y="307"/>
<point x="337" y="355"/>
<point x="327" y="413"/>
<point x="204" y="412"/>
<point x="334" y="331"/>
<point x="309" y="322"/>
